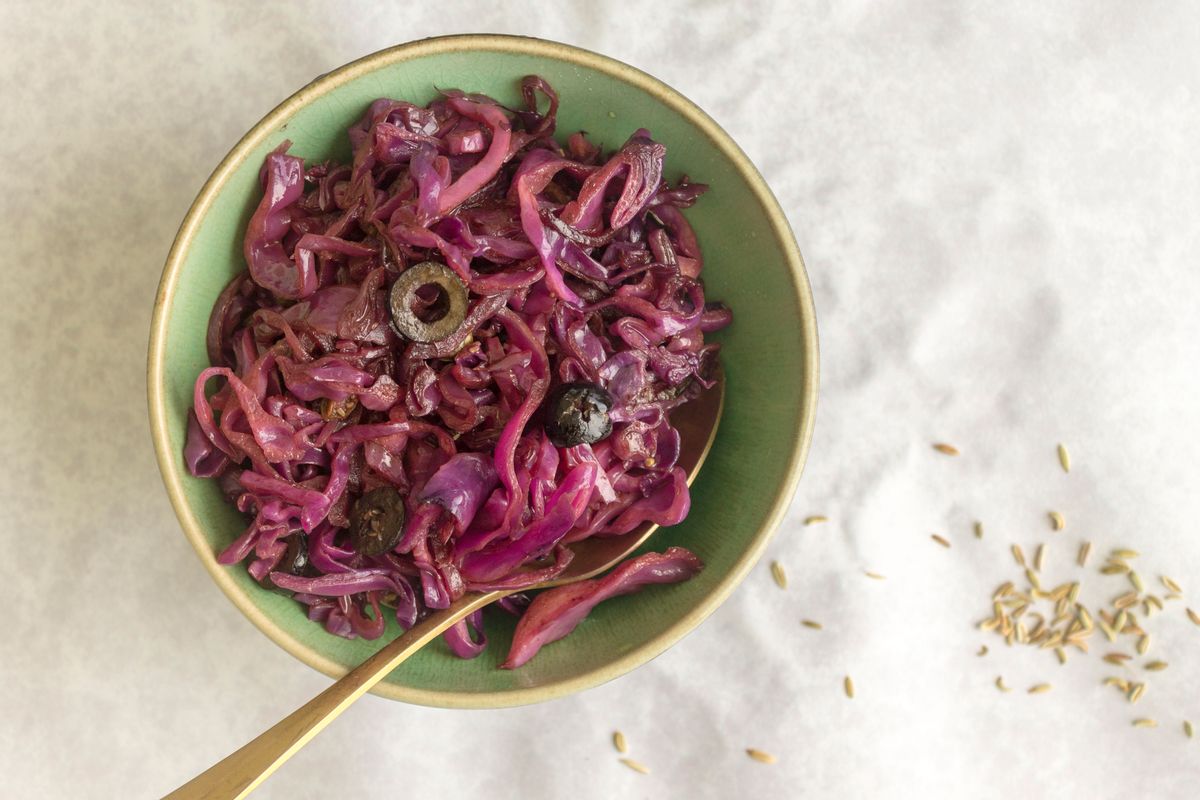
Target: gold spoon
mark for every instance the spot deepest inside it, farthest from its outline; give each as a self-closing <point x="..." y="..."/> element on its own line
<point x="241" y="772"/>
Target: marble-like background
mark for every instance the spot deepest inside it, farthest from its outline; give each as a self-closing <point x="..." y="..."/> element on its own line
<point x="999" y="204"/>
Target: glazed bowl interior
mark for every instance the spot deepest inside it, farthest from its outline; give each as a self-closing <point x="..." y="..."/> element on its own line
<point x="769" y="356"/>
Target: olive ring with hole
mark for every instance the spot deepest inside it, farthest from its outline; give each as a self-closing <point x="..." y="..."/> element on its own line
<point x="428" y="302"/>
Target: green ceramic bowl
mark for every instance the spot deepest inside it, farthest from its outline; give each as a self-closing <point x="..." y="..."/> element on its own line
<point x="751" y="262"/>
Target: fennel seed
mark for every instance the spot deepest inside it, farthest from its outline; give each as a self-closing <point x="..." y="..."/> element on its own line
<point x="778" y="574"/>
<point x="761" y="756"/>
<point x="636" y="766"/>
<point x="1136" y="581"/>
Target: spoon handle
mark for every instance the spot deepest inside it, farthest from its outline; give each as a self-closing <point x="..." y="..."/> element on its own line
<point x="241" y="772"/>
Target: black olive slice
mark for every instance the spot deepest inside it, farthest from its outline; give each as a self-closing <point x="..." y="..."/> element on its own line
<point x="428" y="302"/>
<point x="377" y="521"/>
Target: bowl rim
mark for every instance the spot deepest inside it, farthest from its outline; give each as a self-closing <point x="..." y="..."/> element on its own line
<point x="528" y="46"/>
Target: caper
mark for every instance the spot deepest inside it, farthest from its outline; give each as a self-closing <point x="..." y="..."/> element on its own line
<point x="377" y="521"/>
<point x="577" y="413"/>
<point x="428" y="302"/>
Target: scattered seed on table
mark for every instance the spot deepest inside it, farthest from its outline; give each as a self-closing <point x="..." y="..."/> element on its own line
<point x="1056" y="520"/>
<point x="947" y="449"/>
<point x="810" y="623"/>
<point x="1136" y="692"/>
<point x="1064" y="458"/>
<point x="1136" y="581"/>
<point x="1193" y="616"/>
<point x="618" y="740"/>
<point x="940" y="540"/>
<point x="1123" y="685"/>
<point x="1085" y="618"/>
<point x="1084" y="549"/>
<point x="1114" y="568"/>
<point x="761" y="756"/>
<point x="1170" y="584"/>
<point x="983" y="651"/>
<point x="1039" y="557"/>
<point x="1143" y="644"/>
<point x="1188" y="730"/>
<point x="848" y="685"/>
<point x="978" y="530"/>
<point x="814" y="519"/>
<point x="878" y="577"/>
<point x="1145" y="723"/>
<point x="1018" y="555"/>
<point x="778" y="574"/>
<point x="1032" y="577"/>
<point x="1061" y="655"/>
<point x="1117" y="658"/>
<point x="636" y="766"/>
<point x="1040" y="688"/>
<point x="1156" y="666"/>
<point x="1125" y="601"/>
<point x="1073" y="593"/>
<point x="1125" y="554"/>
<point x="1000" y="684"/>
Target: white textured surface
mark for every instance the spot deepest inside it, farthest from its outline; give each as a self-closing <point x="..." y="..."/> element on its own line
<point x="1000" y="209"/>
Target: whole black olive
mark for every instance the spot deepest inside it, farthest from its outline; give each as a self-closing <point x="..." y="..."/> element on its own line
<point x="428" y="302"/>
<point x="294" y="561"/>
<point x="577" y="413"/>
<point x="377" y="521"/>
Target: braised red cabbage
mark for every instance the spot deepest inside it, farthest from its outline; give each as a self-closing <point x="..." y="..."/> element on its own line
<point x="555" y="612"/>
<point x="579" y="267"/>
